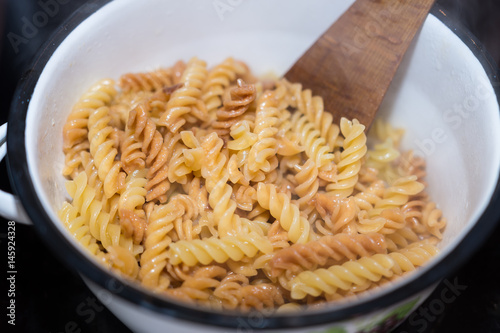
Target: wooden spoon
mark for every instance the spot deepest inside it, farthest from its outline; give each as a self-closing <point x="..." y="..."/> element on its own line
<point x="352" y="64"/>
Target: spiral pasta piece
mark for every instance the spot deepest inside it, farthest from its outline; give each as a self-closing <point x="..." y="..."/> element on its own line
<point x="283" y="92"/>
<point x="92" y="177"/>
<point x="157" y="241"/>
<point x="383" y="131"/>
<point x="337" y="214"/>
<point x="123" y="261"/>
<point x="194" y="154"/>
<point x="218" y="79"/>
<point x="224" y="207"/>
<point x="258" y="213"/>
<point x="412" y="165"/>
<point x="75" y="131"/>
<point x="361" y="271"/>
<point x="146" y="81"/>
<point x="229" y="290"/>
<point x="313" y="108"/>
<point x="154" y="153"/>
<point x="308" y="183"/>
<point x="132" y="157"/>
<point x="200" y="286"/>
<point x="279" y="240"/>
<point x="281" y="208"/>
<point x="103" y="150"/>
<point x="215" y="160"/>
<point x="177" y="168"/>
<point x="433" y="220"/>
<point x="350" y="161"/>
<point x="261" y="297"/>
<point x="245" y="197"/>
<point x="243" y="137"/>
<point x="159" y="183"/>
<point x="186" y="100"/>
<point x="84" y="200"/>
<point x="197" y="190"/>
<point x="382" y="154"/>
<point x="398" y="194"/>
<point x="235" y="105"/>
<point x="315" y="145"/>
<point x="216" y="176"/>
<point x="407" y="259"/>
<point x="351" y="273"/>
<point x="387" y="222"/>
<point x="141" y="125"/>
<point x="78" y="227"/>
<point x="244" y="140"/>
<point x="367" y="198"/>
<point x="309" y="256"/>
<point x="218" y="249"/>
<point x="265" y="127"/>
<point x="132" y="215"/>
<point x="413" y="211"/>
<point x="381" y="157"/>
<point x="367" y="177"/>
<point x="401" y="238"/>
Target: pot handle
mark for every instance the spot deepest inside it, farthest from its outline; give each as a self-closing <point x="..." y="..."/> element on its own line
<point x="10" y="206"/>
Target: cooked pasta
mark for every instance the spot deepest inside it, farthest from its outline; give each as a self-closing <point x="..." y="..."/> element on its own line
<point x="317" y="253"/>
<point x="104" y="150"/>
<point x="315" y="145"/>
<point x="91" y="209"/>
<point x="219" y="78"/>
<point x="337" y="214"/>
<point x="79" y="229"/>
<point x="288" y="213"/>
<point x="350" y="159"/>
<point x="398" y="194"/>
<point x="312" y="107"/>
<point x="387" y="222"/>
<point x="123" y="260"/>
<point x="219" y="250"/>
<point x="147" y="81"/>
<point x="359" y="272"/>
<point x="209" y="186"/>
<point x="235" y="104"/>
<point x="186" y="103"/>
<point x="157" y="240"/>
<point x="307" y="183"/>
<point x="75" y="130"/>
<point x="130" y="205"/>
<point x="265" y="148"/>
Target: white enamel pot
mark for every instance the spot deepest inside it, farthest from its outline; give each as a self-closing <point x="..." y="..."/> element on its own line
<point x="445" y="95"/>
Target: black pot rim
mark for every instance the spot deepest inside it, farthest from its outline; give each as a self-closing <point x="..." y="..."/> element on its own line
<point x="56" y="241"/>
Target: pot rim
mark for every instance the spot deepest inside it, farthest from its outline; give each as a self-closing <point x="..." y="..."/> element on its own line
<point x="23" y="187"/>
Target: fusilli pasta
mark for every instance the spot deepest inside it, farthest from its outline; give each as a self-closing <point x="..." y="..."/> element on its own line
<point x="209" y="186"/>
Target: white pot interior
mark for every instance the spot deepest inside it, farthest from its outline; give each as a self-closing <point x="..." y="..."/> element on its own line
<point x="441" y="96"/>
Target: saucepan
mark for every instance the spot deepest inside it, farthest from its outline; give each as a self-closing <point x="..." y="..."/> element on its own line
<point x="445" y="96"/>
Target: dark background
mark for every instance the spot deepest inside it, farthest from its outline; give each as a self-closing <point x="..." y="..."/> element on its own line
<point x="48" y="294"/>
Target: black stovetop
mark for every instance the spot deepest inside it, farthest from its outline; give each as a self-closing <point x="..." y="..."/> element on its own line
<point x="48" y="295"/>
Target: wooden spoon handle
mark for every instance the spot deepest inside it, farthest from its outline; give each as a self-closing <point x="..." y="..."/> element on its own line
<point x="352" y="64"/>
